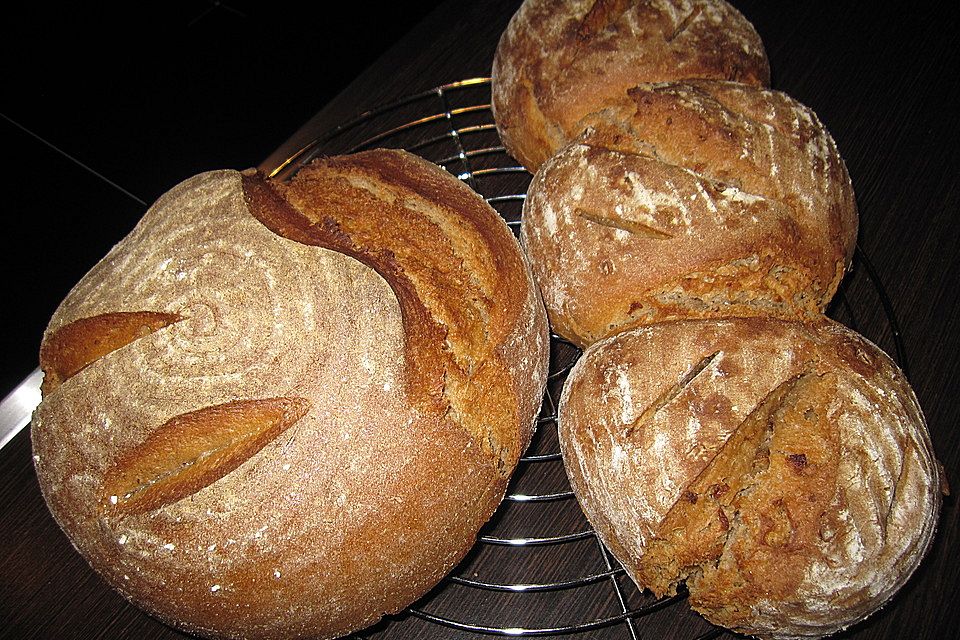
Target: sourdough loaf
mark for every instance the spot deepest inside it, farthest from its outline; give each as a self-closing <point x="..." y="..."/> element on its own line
<point x="783" y="470"/>
<point x="690" y="199"/>
<point x="557" y="61"/>
<point x="281" y="410"/>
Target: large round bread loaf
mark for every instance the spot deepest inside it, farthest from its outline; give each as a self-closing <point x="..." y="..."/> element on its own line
<point x="559" y="60"/>
<point x="782" y="469"/>
<point x="283" y="410"/>
<point x="690" y="199"/>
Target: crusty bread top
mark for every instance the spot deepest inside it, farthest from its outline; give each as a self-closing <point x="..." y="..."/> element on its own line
<point x="473" y="320"/>
<point x="253" y="454"/>
<point x="560" y="60"/>
<point x="783" y="469"/>
<point x="759" y="141"/>
<point x="693" y="199"/>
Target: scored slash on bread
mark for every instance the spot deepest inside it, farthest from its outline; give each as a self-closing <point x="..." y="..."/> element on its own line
<point x="69" y="349"/>
<point x="194" y="449"/>
<point x="669" y="394"/>
<point x="717" y="501"/>
<point x="453" y="345"/>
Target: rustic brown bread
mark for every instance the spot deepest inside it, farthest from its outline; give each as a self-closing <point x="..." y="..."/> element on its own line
<point x="782" y="469"/>
<point x="559" y="60"/>
<point x="690" y="199"/>
<point x="283" y="410"/>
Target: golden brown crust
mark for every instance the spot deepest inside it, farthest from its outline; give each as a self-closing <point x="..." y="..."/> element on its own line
<point x="693" y="199"/>
<point x="303" y="484"/>
<point x="454" y="273"/>
<point x="74" y="346"/>
<point x="783" y="469"/>
<point x="559" y="61"/>
<point x="193" y="450"/>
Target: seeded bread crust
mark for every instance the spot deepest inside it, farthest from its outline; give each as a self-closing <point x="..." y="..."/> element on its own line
<point x="293" y="441"/>
<point x="782" y="469"/>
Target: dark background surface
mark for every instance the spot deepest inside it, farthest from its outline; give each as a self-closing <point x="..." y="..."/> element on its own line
<point x="201" y="87"/>
<point x="107" y="105"/>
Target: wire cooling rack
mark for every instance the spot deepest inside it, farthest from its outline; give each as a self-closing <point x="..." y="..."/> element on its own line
<point x="538" y="568"/>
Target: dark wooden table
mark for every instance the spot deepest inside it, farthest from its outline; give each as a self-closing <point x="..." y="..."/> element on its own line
<point x="880" y="75"/>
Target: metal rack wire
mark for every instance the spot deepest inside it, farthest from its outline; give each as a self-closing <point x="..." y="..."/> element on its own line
<point x="452" y="125"/>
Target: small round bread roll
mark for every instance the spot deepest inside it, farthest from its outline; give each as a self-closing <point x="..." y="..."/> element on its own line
<point x="282" y="410"/>
<point x="690" y="199"/>
<point x="559" y="60"/>
<point x="783" y="470"/>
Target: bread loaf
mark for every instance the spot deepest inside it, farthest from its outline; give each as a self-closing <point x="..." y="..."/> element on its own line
<point x="783" y="470"/>
<point x="280" y="410"/>
<point x="558" y="61"/>
<point x="690" y="199"/>
<point x="688" y="227"/>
